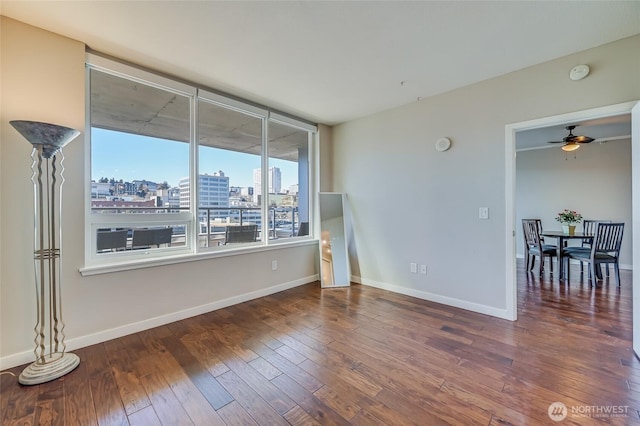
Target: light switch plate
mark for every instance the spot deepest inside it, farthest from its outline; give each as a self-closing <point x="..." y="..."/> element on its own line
<point x="483" y="213"/>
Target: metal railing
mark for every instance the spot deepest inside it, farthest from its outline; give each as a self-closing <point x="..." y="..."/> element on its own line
<point x="137" y="210"/>
<point x="283" y="222"/>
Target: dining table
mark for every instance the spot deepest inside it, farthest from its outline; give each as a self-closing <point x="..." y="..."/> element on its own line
<point x="562" y="238"/>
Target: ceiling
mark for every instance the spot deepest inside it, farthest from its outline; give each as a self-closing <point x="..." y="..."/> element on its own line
<point x="331" y="61"/>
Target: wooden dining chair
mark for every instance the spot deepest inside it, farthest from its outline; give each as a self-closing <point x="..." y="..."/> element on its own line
<point x="527" y="255"/>
<point x="534" y="246"/>
<point x="605" y="249"/>
<point x="588" y="228"/>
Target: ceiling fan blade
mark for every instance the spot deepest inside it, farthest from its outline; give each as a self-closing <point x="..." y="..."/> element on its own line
<point x="572" y="139"/>
<point x="582" y="139"/>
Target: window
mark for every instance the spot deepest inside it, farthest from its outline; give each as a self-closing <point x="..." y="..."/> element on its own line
<point x="175" y="169"/>
<point x="229" y="149"/>
<point x="288" y="180"/>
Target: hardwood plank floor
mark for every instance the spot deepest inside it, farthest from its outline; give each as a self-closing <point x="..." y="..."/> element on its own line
<point x="358" y="356"/>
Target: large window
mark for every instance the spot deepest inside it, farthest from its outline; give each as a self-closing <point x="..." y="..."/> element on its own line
<point x="288" y="180"/>
<point x="229" y="150"/>
<point x="175" y="169"/>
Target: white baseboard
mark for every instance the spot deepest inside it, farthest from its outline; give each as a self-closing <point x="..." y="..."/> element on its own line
<point x="449" y="301"/>
<point x="27" y="357"/>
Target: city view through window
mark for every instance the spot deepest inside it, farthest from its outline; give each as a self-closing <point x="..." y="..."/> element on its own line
<point x="140" y="174"/>
<point x="142" y="193"/>
<point x="123" y="164"/>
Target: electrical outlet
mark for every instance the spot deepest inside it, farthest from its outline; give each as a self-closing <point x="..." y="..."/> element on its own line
<point x="274" y="265"/>
<point x="423" y="269"/>
<point x="483" y="213"/>
<point x="414" y="267"/>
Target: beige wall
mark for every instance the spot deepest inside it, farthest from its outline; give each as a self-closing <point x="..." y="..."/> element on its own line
<point x="42" y="78"/>
<point x="595" y="181"/>
<point x="411" y="203"/>
<point x="325" y="172"/>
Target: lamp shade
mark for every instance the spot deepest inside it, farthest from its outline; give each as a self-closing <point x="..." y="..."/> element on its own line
<point x="52" y="137"/>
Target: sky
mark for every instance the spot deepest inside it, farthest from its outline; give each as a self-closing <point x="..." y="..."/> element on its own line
<point x="133" y="157"/>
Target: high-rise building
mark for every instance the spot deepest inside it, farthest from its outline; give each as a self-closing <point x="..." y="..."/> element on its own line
<point x="213" y="192"/>
<point x="275" y="182"/>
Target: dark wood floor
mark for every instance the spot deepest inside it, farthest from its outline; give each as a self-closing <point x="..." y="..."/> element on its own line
<point x="357" y="356"/>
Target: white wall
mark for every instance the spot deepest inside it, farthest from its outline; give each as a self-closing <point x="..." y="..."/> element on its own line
<point x="42" y="78"/>
<point x="595" y="181"/>
<point x="410" y="203"/>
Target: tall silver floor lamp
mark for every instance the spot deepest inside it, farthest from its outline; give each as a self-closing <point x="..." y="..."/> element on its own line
<point x="52" y="361"/>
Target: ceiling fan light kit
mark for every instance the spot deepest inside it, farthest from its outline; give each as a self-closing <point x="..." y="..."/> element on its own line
<point x="571" y="142"/>
<point x="571" y="146"/>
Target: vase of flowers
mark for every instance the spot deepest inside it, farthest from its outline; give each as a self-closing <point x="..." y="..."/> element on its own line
<point x="569" y="219"/>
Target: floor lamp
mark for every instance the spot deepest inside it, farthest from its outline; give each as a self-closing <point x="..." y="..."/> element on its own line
<point x="52" y="361"/>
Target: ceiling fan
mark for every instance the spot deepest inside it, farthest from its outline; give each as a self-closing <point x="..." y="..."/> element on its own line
<point x="572" y="142"/>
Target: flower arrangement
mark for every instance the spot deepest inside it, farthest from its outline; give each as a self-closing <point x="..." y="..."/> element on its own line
<point x="569" y="217"/>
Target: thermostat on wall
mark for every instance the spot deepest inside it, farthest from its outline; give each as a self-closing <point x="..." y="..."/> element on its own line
<point x="443" y="144"/>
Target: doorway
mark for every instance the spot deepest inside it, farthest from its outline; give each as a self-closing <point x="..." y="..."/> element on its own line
<point x="510" y="178"/>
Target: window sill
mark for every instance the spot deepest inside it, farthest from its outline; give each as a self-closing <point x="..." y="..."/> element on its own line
<point x="191" y="257"/>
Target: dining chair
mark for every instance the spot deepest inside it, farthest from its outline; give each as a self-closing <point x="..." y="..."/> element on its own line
<point x="538" y="224"/>
<point x="605" y="249"/>
<point x="534" y="246"/>
<point x="588" y="228"/>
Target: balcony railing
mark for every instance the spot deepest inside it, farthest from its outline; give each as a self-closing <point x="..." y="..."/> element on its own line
<point x="283" y="222"/>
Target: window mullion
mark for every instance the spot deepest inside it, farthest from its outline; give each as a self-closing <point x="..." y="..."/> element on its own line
<point x="89" y="248"/>
<point x="194" y="201"/>
<point x="264" y="181"/>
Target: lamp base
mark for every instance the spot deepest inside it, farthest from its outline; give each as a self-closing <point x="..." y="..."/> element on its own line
<point x="56" y="365"/>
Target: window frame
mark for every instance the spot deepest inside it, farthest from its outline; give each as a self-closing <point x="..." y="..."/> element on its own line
<point x="99" y="262"/>
<point x="237" y="106"/>
<point x="282" y="120"/>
